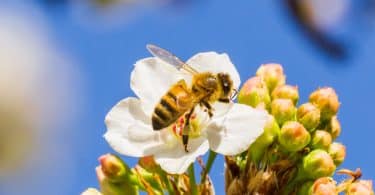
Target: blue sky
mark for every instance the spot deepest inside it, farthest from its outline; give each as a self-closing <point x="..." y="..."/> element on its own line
<point x="251" y="33"/>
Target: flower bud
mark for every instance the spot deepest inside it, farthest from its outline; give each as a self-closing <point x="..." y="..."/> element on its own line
<point x="309" y="116"/>
<point x="113" y="167"/>
<point x="305" y="188"/>
<point x="270" y="133"/>
<point x="327" y="101"/>
<point x="321" y="140"/>
<point x="110" y="187"/>
<point x="272" y="74"/>
<point x="286" y="92"/>
<point x="148" y="163"/>
<point x="337" y="151"/>
<point x="324" y="186"/>
<point x="254" y="93"/>
<point x="91" y="191"/>
<point x="361" y="187"/>
<point x="293" y="136"/>
<point x="334" y="127"/>
<point x="318" y="163"/>
<point x="283" y="110"/>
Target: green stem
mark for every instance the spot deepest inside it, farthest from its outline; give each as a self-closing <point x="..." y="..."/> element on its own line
<point x="167" y="183"/>
<point x="193" y="184"/>
<point x="209" y="163"/>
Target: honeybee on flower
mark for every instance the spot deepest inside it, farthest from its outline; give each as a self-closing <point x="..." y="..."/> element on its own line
<point x="195" y="100"/>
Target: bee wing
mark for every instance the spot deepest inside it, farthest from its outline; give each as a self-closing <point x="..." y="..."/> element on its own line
<point x="169" y="58"/>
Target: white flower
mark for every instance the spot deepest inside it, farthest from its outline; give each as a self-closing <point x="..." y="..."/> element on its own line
<point x="230" y="131"/>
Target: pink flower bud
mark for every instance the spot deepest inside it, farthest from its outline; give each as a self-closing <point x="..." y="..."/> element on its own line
<point x="309" y="116"/>
<point x="324" y="186"/>
<point x="113" y="167"/>
<point x="283" y="110"/>
<point x="327" y="101"/>
<point x="293" y="136"/>
<point x="272" y="74"/>
<point x="361" y="187"/>
<point x="337" y="152"/>
<point x="286" y="92"/>
<point x="334" y="127"/>
<point x="109" y="186"/>
<point x="321" y="140"/>
<point x="318" y="163"/>
<point x="254" y="93"/>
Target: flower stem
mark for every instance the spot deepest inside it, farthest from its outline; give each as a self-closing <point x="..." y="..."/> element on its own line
<point x="167" y="182"/>
<point x="193" y="184"/>
<point x="210" y="161"/>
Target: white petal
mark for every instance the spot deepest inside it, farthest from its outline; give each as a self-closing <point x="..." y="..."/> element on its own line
<point x="151" y="79"/>
<point x="129" y="130"/>
<point x="175" y="160"/>
<point x="214" y="62"/>
<point x="234" y="132"/>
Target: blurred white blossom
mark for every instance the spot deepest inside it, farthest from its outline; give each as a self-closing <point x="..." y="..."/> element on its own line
<point x="37" y="101"/>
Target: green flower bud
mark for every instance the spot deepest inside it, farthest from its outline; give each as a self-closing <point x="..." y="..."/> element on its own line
<point x="327" y="101"/>
<point x="271" y="132"/>
<point x="286" y="92"/>
<point x="272" y="74"/>
<point x="305" y="188"/>
<point x="309" y="116"/>
<point x="254" y="93"/>
<point x="324" y="186"/>
<point x="337" y="152"/>
<point x="283" y="110"/>
<point x="318" y="163"/>
<point x="361" y="187"/>
<point x="334" y="127"/>
<point x="113" y="167"/>
<point x="293" y="136"/>
<point x="321" y="140"/>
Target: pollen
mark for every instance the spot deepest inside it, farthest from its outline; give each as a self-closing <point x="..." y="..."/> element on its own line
<point x="178" y="127"/>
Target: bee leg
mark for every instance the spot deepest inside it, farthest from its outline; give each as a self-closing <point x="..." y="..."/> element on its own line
<point x="224" y="100"/>
<point x="209" y="108"/>
<point x="185" y="132"/>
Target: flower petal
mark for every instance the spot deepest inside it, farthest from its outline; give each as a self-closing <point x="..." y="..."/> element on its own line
<point x="151" y="79"/>
<point x="129" y="130"/>
<point x="233" y="133"/>
<point x="214" y="62"/>
<point x="175" y="160"/>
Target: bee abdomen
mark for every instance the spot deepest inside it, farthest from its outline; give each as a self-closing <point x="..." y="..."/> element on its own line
<point x="165" y="113"/>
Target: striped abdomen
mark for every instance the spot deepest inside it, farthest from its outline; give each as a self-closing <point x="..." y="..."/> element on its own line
<point x="171" y="106"/>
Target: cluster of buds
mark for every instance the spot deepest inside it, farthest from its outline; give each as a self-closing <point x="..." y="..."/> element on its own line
<point x="116" y="178"/>
<point x="297" y="153"/>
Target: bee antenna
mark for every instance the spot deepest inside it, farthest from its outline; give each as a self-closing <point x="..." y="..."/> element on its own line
<point x="234" y="95"/>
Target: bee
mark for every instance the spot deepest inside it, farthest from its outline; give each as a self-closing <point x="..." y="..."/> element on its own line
<point x="181" y="98"/>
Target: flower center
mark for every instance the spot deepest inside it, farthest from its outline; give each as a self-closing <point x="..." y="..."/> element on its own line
<point x="194" y="129"/>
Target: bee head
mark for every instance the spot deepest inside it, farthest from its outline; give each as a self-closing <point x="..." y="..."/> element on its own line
<point x="226" y="83"/>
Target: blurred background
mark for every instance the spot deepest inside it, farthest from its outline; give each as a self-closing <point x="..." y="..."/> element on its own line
<point x="64" y="64"/>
